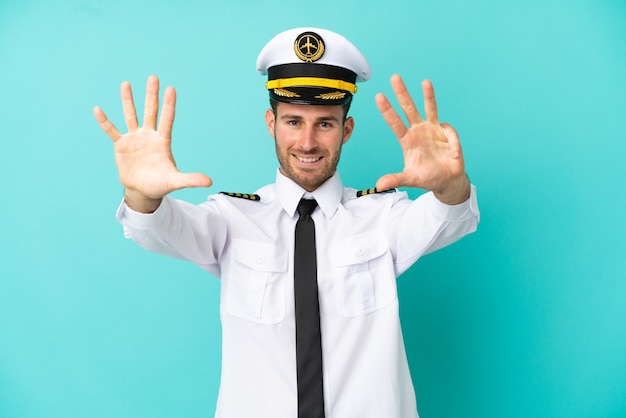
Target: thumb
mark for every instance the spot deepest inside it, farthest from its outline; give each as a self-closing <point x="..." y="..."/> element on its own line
<point x="389" y="181"/>
<point x="185" y="180"/>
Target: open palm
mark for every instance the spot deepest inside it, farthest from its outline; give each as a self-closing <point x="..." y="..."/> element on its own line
<point x="143" y="155"/>
<point x="433" y="159"/>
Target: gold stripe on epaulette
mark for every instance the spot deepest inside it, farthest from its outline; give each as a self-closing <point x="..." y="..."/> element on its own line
<point x="373" y="190"/>
<point x="243" y="195"/>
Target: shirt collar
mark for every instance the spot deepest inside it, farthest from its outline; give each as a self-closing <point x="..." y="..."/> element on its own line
<point x="328" y="195"/>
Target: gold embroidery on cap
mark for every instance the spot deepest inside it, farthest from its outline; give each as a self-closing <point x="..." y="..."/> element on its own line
<point x="335" y="95"/>
<point x="285" y="93"/>
<point x="309" y="47"/>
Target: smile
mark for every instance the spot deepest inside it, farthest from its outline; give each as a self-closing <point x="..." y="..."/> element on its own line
<point x="308" y="159"/>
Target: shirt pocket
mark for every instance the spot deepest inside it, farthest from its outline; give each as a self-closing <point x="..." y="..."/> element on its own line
<point x="256" y="282"/>
<point x="363" y="275"/>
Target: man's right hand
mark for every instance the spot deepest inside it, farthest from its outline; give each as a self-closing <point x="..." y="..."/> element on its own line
<point x="143" y="155"/>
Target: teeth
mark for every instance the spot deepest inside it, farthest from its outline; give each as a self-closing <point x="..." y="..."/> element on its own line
<point x="308" y="159"/>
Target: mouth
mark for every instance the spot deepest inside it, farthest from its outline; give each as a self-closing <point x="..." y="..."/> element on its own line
<point x="308" y="160"/>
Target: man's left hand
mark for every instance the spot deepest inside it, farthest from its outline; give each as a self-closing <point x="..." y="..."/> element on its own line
<point x="433" y="159"/>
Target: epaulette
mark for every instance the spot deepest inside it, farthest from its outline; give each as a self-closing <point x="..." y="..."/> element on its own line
<point x="373" y="190"/>
<point x="243" y="195"/>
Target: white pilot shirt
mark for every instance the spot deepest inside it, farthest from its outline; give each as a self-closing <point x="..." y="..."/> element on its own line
<point x="363" y="244"/>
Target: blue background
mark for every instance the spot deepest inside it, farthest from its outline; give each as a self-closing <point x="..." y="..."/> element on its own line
<point x="525" y="318"/>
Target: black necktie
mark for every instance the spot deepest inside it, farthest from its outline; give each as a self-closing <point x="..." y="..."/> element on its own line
<point x="308" y="338"/>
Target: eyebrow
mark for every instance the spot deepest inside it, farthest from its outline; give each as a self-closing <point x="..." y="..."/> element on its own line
<point x="330" y="118"/>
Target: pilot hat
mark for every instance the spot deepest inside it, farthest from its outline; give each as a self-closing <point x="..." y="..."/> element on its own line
<point x="312" y="66"/>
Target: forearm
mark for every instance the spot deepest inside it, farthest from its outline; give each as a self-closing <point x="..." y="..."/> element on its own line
<point x="429" y="224"/>
<point x="178" y="229"/>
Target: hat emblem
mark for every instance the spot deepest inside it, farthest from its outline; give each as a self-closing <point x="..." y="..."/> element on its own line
<point x="309" y="47"/>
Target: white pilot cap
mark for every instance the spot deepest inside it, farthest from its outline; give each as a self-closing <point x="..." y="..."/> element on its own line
<point x="312" y="66"/>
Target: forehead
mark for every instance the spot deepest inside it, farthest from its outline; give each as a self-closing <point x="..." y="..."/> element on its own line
<point x="309" y="111"/>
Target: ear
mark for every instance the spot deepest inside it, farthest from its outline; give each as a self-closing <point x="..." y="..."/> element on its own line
<point x="270" y="121"/>
<point x="348" y="127"/>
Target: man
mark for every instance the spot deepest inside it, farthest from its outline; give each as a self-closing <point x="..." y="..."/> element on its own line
<point x="334" y="348"/>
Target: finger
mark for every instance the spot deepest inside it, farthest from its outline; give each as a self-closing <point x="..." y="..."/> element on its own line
<point x="391" y="116"/>
<point x="390" y="181"/>
<point x="185" y="180"/>
<point x="151" y="107"/>
<point x="106" y="125"/>
<point x="453" y="140"/>
<point x="430" y="104"/>
<point x="404" y="98"/>
<point x="128" y="106"/>
<point x="167" y="113"/>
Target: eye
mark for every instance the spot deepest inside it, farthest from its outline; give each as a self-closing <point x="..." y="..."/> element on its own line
<point x="325" y="125"/>
<point x="292" y="122"/>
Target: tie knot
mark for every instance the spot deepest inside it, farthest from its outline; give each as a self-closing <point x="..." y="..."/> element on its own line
<point x="306" y="206"/>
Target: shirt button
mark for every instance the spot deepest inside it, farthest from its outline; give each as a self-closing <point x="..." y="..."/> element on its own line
<point x="360" y="252"/>
<point x="260" y="259"/>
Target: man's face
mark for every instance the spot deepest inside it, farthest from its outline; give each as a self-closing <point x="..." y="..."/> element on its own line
<point x="308" y="141"/>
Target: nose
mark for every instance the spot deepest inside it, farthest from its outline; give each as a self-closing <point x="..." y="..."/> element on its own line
<point x="308" y="139"/>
